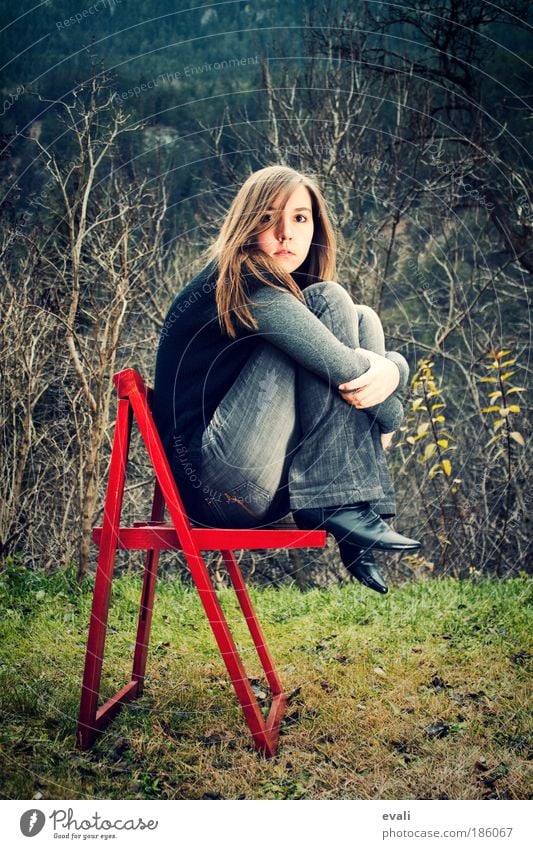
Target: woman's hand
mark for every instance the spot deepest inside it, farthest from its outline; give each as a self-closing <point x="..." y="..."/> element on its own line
<point x="374" y="385"/>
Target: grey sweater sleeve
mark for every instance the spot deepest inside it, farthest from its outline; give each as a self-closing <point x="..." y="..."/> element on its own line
<point x="390" y="413"/>
<point x="290" y="325"/>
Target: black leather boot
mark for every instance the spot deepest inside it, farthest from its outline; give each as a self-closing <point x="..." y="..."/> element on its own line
<point x="362" y="565"/>
<point x="357" y="524"/>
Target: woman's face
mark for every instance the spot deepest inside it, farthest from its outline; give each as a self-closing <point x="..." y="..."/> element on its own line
<point x="288" y="241"/>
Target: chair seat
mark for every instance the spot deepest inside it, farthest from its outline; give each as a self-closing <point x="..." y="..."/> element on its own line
<point x="162" y="536"/>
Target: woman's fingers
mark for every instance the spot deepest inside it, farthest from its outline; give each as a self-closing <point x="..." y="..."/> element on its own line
<point x="358" y="399"/>
<point x="362" y="401"/>
<point x="356" y="383"/>
<point x="356" y="392"/>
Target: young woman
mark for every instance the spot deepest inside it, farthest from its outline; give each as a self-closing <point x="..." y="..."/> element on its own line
<point x="273" y="390"/>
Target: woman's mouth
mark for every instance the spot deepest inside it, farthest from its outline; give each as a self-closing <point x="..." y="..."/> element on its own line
<point x="284" y="253"/>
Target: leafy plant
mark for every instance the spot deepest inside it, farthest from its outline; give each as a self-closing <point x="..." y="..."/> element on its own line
<point x="426" y="428"/>
<point x="438" y="442"/>
<point x="502" y="407"/>
<point x="501" y="414"/>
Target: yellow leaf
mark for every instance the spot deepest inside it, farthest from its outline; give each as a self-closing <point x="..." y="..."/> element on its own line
<point x="506" y="375"/>
<point x="490" y="409"/>
<point x="417" y="402"/>
<point x="517" y="437"/>
<point x="447" y="467"/>
<point x="410" y="439"/>
<point x="495" y="394"/>
<point x="514" y="408"/>
<point x="493" y="439"/>
<point x="435" y="470"/>
<point x="438" y="419"/>
<point x="429" y="451"/>
<point x="504" y="411"/>
<point x="501" y="354"/>
<point x="443" y="443"/>
<point x="508" y="363"/>
<point x="488" y="380"/>
<point x="516" y="389"/>
<point x="422" y="428"/>
<point x="436" y="406"/>
<point x="498" y="423"/>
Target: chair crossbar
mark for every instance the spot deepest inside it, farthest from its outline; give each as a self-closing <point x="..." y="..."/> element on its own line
<point x="163" y="537"/>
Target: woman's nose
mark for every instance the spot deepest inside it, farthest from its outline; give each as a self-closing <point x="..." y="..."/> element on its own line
<point x="284" y="230"/>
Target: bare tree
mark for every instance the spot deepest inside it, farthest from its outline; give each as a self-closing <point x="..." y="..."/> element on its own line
<point x="27" y="345"/>
<point x="96" y="255"/>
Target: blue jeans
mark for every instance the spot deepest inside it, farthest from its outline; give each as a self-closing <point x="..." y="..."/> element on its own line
<point x="282" y="439"/>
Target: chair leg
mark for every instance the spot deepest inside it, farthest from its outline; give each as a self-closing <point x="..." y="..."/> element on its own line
<point x="147" y="598"/>
<point x="252" y="621"/>
<point x="279" y="702"/>
<point x="90" y="719"/>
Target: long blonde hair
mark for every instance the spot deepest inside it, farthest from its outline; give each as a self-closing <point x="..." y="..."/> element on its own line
<point x="236" y="253"/>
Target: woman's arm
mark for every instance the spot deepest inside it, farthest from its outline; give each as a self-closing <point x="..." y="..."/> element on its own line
<point x="290" y="325"/>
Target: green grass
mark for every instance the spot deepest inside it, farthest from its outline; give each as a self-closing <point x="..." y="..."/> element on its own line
<point x="422" y="694"/>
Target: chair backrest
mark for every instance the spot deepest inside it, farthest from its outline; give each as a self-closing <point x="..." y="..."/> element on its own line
<point x="132" y="390"/>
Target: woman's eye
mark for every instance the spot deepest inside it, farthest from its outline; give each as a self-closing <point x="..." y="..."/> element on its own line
<point x="266" y="218"/>
<point x="302" y="217"/>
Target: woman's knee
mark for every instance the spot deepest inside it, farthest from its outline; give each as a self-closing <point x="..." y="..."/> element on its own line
<point x="329" y="289"/>
<point x="332" y="304"/>
<point x="334" y="291"/>
<point x="367" y="315"/>
<point x="371" y="335"/>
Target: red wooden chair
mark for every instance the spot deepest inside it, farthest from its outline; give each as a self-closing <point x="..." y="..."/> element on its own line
<point x="154" y="536"/>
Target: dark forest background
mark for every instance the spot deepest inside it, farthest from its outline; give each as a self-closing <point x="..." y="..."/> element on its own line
<point x="126" y="129"/>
